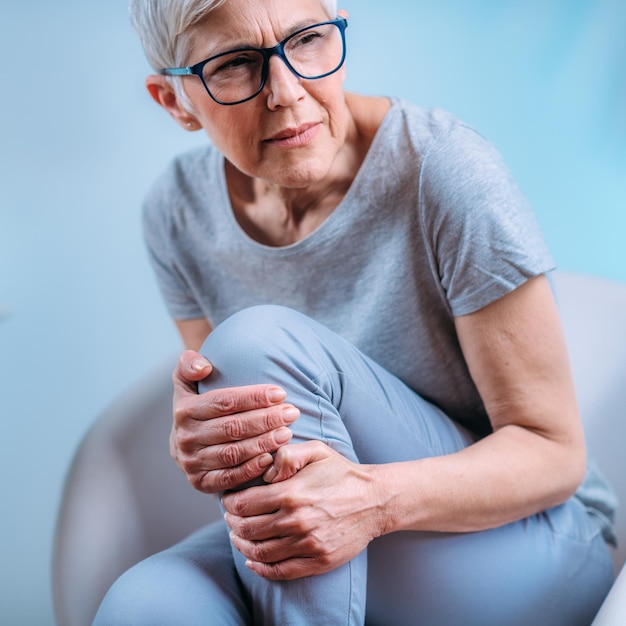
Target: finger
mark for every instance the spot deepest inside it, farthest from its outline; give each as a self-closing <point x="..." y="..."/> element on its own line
<point x="252" y="529"/>
<point x="232" y="477"/>
<point x="191" y="367"/>
<point x="289" y="569"/>
<point x="188" y="405"/>
<point x="272" y="550"/>
<point x="197" y="459"/>
<point x="292" y="458"/>
<point x="195" y="434"/>
<point x="254" y="501"/>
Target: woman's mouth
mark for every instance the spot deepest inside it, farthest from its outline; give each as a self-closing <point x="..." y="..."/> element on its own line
<point x="295" y="137"/>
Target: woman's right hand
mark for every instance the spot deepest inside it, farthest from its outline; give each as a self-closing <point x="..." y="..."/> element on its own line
<point x="224" y="438"/>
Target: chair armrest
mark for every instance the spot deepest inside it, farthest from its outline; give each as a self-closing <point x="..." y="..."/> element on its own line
<point x="613" y="609"/>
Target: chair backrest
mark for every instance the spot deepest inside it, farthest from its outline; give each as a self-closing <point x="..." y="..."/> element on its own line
<point x="124" y="498"/>
<point x="593" y="311"/>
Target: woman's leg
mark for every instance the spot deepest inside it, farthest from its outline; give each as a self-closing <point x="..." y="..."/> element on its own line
<point x="347" y="401"/>
<point x="194" y="583"/>
<point x="552" y="569"/>
<point x="370" y="416"/>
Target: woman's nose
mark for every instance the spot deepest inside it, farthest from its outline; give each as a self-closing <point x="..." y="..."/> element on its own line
<point x="283" y="87"/>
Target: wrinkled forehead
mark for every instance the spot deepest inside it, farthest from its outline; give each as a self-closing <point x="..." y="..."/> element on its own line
<point x="250" y="23"/>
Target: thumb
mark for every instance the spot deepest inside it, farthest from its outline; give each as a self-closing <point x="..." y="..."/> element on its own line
<point x="290" y="459"/>
<point x="191" y="367"/>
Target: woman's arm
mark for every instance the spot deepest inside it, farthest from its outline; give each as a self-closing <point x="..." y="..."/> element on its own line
<point x="194" y="332"/>
<point x="535" y="458"/>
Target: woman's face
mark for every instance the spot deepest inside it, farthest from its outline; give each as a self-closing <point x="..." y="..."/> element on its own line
<point x="291" y="133"/>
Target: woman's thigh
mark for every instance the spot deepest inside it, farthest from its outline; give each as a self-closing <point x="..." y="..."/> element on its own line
<point x="552" y="569"/>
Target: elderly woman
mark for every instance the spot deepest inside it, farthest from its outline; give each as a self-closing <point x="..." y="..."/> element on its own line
<point x="386" y="410"/>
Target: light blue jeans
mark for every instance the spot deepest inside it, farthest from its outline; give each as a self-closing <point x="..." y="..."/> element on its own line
<point x="551" y="569"/>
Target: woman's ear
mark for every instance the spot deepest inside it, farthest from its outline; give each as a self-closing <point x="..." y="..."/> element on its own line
<point x="163" y="94"/>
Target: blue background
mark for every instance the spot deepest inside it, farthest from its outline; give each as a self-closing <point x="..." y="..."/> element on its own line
<point x="80" y="142"/>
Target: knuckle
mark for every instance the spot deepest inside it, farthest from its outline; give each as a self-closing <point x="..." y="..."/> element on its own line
<point x="261" y="551"/>
<point x="230" y="455"/>
<point x="228" y="479"/>
<point x="185" y="441"/>
<point x="182" y="412"/>
<point x="291" y="502"/>
<point x="198" y="480"/>
<point x="188" y="465"/>
<point x="260" y="397"/>
<point x="224" y="401"/>
<point x="279" y="573"/>
<point x="315" y="546"/>
<point x="325" y="556"/>
<point x="272" y="417"/>
<point x="300" y="524"/>
<point x="220" y="481"/>
<point x="244" y="530"/>
<point x="266" y="444"/>
<point x="235" y="506"/>
<point x="195" y="481"/>
<point x="207" y="481"/>
<point x="234" y="429"/>
<point x="307" y="545"/>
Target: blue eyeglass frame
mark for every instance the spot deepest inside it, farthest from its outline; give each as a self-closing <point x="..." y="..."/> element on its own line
<point x="267" y="53"/>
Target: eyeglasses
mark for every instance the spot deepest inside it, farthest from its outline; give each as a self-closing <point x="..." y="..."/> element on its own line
<point x="239" y="75"/>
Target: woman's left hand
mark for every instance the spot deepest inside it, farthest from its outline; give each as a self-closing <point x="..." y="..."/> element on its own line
<point x="319" y="512"/>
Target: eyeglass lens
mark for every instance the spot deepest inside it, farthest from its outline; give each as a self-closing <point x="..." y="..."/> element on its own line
<point x="238" y="75"/>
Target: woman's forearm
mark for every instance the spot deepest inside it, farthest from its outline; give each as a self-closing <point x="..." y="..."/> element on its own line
<point x="507" y="476"/>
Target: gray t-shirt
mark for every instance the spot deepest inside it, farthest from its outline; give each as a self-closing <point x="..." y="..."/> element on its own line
<point x="432" y="227"/>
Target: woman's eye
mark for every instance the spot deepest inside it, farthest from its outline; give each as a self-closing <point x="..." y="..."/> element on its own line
<point x="309" y="38"/>
<point x="233" y="64"/>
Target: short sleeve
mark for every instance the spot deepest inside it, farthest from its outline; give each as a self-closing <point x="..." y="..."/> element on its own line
<point x="161" y="229"/>
<point x="483" y="237"/>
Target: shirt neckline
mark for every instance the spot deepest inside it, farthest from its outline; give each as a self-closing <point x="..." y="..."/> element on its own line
<point x="334" y="220"/>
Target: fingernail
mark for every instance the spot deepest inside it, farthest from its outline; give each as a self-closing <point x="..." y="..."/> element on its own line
<point x="199" y="364"/>
<point x="271" y="473"/>
<point x="290" y="414"/>
<point x="265" y="460"/>
<point x="282" y="435"/>
<point x="276" y="394"/>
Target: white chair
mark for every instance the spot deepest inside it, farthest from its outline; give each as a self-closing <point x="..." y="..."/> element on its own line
<point x="124" y="498"/>
<point x="593" y="311"/>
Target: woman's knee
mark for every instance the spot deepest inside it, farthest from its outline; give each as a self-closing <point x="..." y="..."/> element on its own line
<point x="137" y="597"/>
<point x="254" y="328"/>
<point x="260" y="344"/>
<point x="170" y="589"/>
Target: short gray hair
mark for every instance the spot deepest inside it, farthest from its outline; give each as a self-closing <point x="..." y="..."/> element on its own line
<point x="164" y="26"/>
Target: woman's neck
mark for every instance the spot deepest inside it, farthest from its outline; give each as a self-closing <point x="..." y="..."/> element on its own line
<point x="279" y="216"/>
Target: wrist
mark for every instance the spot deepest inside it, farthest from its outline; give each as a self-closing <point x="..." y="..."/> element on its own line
<point x="383" y="499"/>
